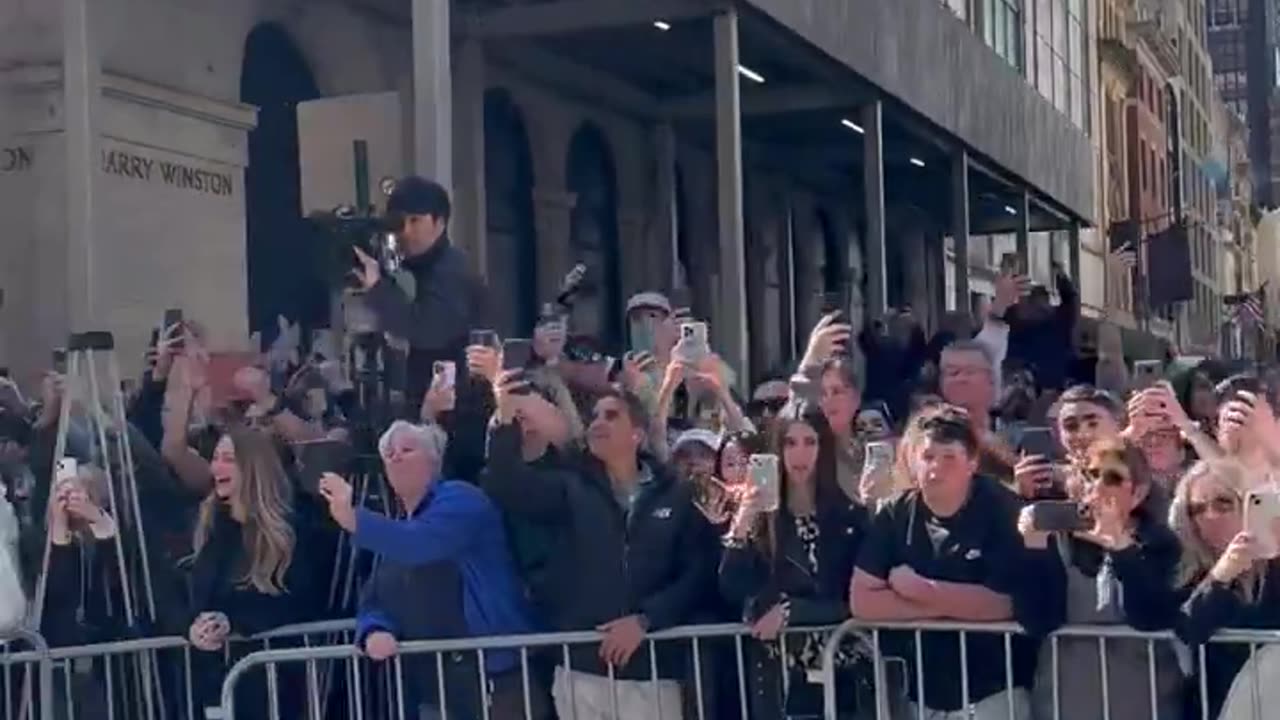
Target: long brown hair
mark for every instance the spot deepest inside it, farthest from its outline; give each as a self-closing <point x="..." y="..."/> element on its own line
<point x="826" y="492"/>
<point x="266" y="498"/>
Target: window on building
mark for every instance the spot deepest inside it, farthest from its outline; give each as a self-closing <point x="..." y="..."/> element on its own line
<point x="1002" y="29"/>
<point x="1142" y="164"/>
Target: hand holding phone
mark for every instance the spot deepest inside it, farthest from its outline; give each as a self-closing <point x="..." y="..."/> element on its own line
<point x="172" y="326"/>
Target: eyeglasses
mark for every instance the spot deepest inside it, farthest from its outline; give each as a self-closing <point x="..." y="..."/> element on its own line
<point x="1221" y="505"/>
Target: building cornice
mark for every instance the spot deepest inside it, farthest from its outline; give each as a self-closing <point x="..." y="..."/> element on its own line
<point x="39" y="79"/>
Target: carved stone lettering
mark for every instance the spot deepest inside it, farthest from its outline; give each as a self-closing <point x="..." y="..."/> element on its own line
<point x="177" y="175"/>
<point x="15" y="159"/>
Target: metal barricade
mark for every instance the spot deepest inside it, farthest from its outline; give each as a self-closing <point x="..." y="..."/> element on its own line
<point x="521" y="690"/>
<point x="1080" y="671"/>
<point x="27" y="685"/>
<point x="125" y="679"/>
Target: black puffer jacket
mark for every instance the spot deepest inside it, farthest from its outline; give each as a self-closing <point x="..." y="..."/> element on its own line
<point x="606" y="563"/>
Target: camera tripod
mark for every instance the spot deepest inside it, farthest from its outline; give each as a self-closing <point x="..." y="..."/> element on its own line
<point x="93" y="407"/>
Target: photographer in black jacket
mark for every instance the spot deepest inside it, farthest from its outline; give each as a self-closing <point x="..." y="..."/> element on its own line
<point x="435" y="317"/>
<point x="633" y="554"/>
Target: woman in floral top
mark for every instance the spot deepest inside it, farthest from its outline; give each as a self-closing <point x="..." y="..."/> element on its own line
<point x="791" y="568"/>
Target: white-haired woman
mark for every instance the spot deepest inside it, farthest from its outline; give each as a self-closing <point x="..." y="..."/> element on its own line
<point x="444" y="571"/>
<point x="1223" y="581"/>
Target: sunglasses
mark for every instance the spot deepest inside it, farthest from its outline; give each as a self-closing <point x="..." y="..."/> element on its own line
<point x="1107" y="476"/>
<point x="767" y="407"/>
<point x="1221" y="505"/>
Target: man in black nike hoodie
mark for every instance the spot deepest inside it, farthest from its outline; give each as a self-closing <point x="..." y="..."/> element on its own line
<point x="633" y="555"/>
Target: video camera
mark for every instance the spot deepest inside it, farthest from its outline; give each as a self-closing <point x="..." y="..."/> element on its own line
<point x="344" y="229"/>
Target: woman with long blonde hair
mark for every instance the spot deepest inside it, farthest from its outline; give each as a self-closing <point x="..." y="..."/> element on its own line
<point x="1223" y="579"/>
<point x="245" y="573"/>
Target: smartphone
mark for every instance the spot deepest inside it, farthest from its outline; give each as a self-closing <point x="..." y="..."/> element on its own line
<point x="447" y="371"/>
<point x="483" y="338"/>
<point x="1059" y="516"/>
<point x="696" y="340"/>
<point x="67" y="469"/>
<point x="1146" y="373"/>
<point x="879" y="454"/>
<point x="517" y="353"/>
<point x="763" y="472"/>
<point x="318" y="457"/>
<point x="642" y="339"/>
<point x="59" y="364"/>
<point x="172" y="317"/>
<point x="1262" y="520"/>
<point x="832" y="302"/>
<point x="1011" y="264"/>
<point x="1038" y="441"/>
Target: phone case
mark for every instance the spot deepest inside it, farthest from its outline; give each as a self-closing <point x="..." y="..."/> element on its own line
<point x="1262" y="519"/>
<point x="763" y="471"/>
<point x="68" y="469"/>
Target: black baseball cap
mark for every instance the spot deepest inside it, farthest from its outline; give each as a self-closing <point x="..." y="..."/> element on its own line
<point x="415" y="195"/>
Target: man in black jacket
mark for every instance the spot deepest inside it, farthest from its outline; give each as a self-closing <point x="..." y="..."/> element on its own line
<point x="435" y="317"/>
<point x="633" y="555"/>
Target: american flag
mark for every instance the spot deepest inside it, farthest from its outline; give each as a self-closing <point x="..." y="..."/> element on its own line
<point x="1247" y="308"/>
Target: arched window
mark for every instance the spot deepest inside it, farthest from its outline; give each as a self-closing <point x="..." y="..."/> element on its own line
<point x="593" y="235"/>
<point x="512" y="235"/>
<point x="274" y="78"/>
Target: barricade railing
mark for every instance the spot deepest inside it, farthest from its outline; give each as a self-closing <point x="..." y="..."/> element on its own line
<point x="137" y="679"/>
<point x="661" y="688"/>
<point x="26" y="672"/>
<point x="1166" y="667"/>
<point x="130" y="678"/>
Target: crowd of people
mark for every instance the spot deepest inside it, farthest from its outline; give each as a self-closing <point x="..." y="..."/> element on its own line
<point x="978" y="476"/>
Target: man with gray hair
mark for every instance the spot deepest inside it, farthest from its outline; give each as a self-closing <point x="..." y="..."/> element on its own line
<point x="444" y="571"/>
<point x="967" y="378"/>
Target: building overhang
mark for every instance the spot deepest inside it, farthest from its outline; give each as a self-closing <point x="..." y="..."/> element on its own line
<point x="802" y="94"/>
<point x="918" y="53"/>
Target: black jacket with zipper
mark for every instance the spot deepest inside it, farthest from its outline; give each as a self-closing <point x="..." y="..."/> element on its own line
<point x="605" y="563"/>
<point x="755" y="583"/>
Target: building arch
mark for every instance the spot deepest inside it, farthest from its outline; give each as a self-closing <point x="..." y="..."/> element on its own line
<point x="275" y="77"/>
<point x="591" y="177"/>
<point x="509" y="215"/>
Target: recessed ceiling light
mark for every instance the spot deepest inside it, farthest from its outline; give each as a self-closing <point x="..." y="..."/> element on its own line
<point x="852" y="125"/>
<point x="917" y="162"/>
<point x="750" y="74"/>
<point x="662" y="25"/>
<point x="1011" y="209"/>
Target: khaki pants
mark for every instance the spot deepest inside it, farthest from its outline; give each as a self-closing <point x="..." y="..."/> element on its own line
<point x="592" y="698"/>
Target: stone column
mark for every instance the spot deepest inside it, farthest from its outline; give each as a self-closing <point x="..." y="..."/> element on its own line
<point x="432" y="91"/>
<point x="553" y="218"/>
<point x="637" y="263"/>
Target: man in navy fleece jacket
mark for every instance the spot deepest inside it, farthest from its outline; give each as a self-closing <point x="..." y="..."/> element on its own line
<point x="444" y="571"/>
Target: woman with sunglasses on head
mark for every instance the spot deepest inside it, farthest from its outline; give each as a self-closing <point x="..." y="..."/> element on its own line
<point x="790" y="566"/>
<point x="1115" y="569"/>
<point x="1224" y="579"/>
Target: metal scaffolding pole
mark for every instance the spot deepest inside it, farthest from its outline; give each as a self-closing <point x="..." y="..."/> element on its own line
<point x="80" y="94"/>
<point x="731" y="327"/>
<point x="432" y="92"/>
<point x="877" y="299"/>
<point x="960" y="227"/>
